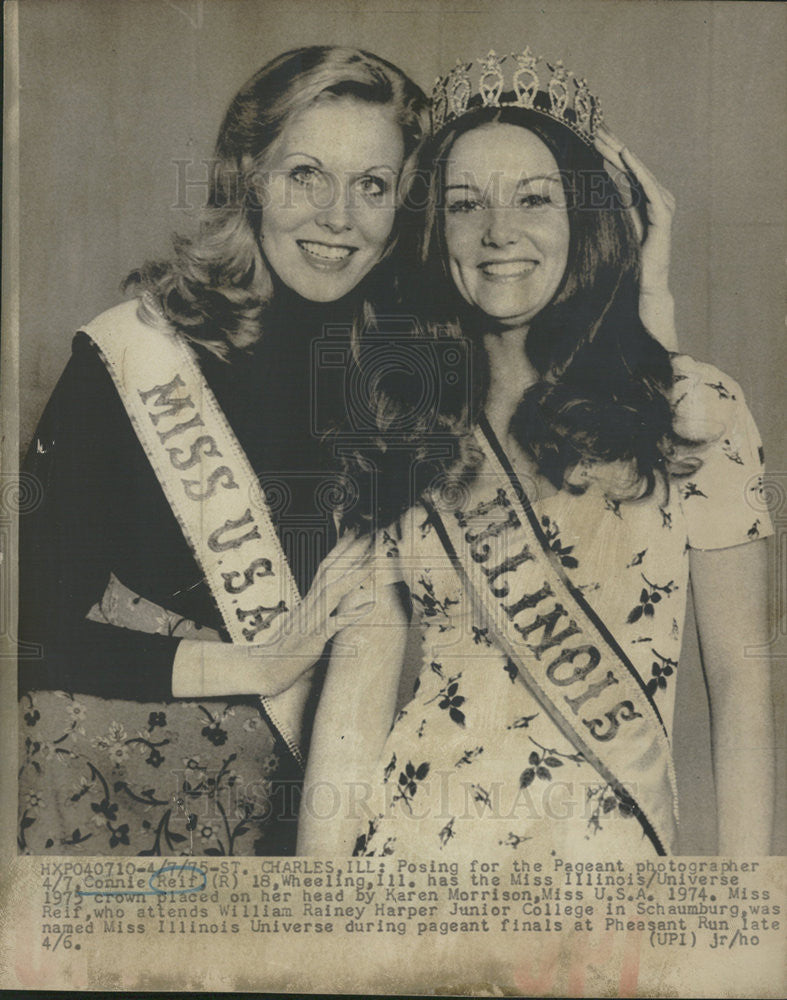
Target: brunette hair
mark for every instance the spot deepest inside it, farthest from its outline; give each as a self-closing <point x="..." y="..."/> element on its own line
<point x="216" y="286"/>
<point x="602" y="394"/>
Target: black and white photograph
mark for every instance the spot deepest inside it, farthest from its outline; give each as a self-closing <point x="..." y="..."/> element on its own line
<point x="393" y="496"/>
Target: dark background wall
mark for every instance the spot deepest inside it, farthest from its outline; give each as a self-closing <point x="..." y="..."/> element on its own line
<point x="113" y="94"/>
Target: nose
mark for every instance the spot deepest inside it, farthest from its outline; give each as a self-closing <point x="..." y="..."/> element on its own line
<point x="336" y="215"/>
<point x="501" y="228"/>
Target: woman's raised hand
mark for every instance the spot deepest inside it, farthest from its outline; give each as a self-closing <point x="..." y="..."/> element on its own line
<point x="337" y="598"/>
<point x="334" y="601"/>
<point x="654" y="228"/>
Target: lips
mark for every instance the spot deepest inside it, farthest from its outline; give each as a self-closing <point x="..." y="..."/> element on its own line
<point x="507" y="270"/>
<point x="328" y="253"/>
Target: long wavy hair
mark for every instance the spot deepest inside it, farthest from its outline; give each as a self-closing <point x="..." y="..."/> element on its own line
<point x="602" y="395"/>
<point x="217" y="285"/>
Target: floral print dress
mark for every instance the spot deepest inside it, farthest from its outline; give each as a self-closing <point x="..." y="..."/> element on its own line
<point x="473" y="764"/>
<point x="99" y="776"/>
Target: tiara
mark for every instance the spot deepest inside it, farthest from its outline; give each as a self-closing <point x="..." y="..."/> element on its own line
<point x="547" y="88"/>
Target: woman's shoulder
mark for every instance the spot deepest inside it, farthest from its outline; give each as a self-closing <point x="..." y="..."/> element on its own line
<point x="718" y="459"/>
<point x="85" y="381"/>
<point x="706" y="402"/>
<point x="84" y="403"/>
<point x="122" y="319"/>
<point x="86" y="370"/>
<point x="83" y="422"/>
<point x="691" y="375"/>
<point x="130" y="318"/>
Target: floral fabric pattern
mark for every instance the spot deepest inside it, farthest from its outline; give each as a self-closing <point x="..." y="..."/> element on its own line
<point x="101" y="776"/>
<point x="104" y="777"/>
<point x="473" y="763"/>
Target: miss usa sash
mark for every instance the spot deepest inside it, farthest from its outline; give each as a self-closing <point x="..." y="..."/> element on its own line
<point x="209" y="484"/>
<point x="565" y="654"/>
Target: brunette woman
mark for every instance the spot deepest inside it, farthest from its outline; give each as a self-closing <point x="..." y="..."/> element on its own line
<point x="550" y="566"/>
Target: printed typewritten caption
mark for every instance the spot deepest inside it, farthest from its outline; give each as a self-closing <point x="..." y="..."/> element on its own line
<point x="608" y="918"/>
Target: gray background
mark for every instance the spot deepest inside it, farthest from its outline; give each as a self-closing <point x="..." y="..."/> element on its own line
<point x="112" y="93"/>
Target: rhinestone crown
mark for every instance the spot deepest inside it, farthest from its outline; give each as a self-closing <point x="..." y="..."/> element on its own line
<point x="547" y="88"/>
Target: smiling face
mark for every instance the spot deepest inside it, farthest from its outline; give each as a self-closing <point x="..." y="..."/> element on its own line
<point x="506" y="223"/>
<point x="329" y="198"/>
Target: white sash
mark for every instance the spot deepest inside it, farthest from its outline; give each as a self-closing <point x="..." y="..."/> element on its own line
<point x="210" y="486"/>
<point x="565" y="654"/>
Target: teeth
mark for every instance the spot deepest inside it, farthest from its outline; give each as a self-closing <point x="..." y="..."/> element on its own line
<point x="509" y="268"/>
<point x="324" y="251"/>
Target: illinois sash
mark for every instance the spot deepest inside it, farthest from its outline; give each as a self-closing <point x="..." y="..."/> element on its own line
<point x="565" y="654"/>
<point x="210" y="486"/>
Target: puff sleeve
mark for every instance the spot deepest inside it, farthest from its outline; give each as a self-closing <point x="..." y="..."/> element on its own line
<point x="721" y="485"/>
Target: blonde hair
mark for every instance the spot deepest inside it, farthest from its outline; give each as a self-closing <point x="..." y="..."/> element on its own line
<point x="217" y="284"/>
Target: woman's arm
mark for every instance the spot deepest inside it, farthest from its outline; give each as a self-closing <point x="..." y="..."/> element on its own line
<point x="80" y="458"/>
<point x="295" y="643"/>
<point x="731" y="605"/>
<point x="102" y="512"/>
<point x="352" y="722"/>
<point x="653" y="221"/>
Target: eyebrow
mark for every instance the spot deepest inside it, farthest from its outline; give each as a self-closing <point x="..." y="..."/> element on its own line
<point x="380" y="166"/>
<point x="309" y="156"/>
<point x="520" y="183"/>
<point x="319" y="163"/>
